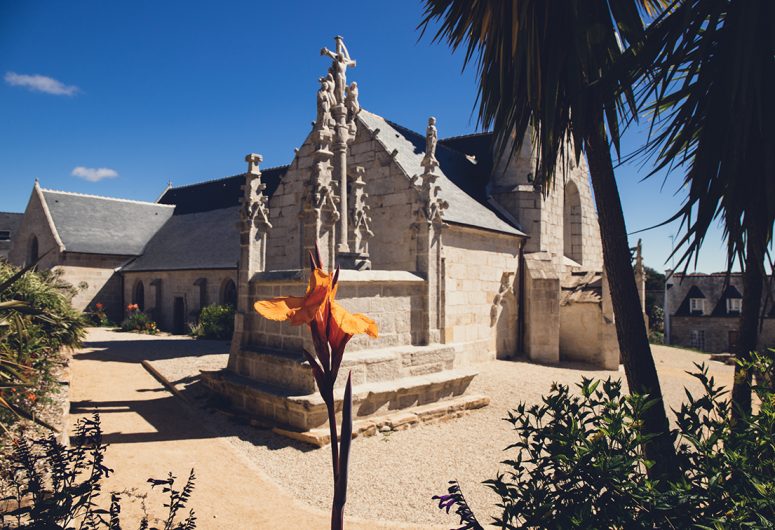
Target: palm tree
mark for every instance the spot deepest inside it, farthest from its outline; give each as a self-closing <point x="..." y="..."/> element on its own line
<point x="712" y="87"/>
<point x="541" y="67"/>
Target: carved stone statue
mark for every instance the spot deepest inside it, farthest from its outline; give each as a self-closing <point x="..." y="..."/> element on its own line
<point x="325" y="101"/>
<point x="351" y="101"/>
<point x="431" y="140"/>
<point x="341" y="60"/>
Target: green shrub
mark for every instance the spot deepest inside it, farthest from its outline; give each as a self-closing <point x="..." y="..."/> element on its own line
<point x="215" y="322"/>
<point x="37" y="322"/>
<point x="577" y="463"/>
<point x="656" y="337"/>
<point x="47" y="485"/>
<point x="138" y="322"/>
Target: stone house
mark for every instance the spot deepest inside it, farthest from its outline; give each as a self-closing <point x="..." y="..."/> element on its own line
<point x="9" y="225"/>
<point x="702" y="311"/>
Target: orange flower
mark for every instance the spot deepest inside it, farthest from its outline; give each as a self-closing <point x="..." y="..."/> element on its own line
<point x="304" y="309"/>
<point x="32" y="397"/>
<point x="99" y="306"/>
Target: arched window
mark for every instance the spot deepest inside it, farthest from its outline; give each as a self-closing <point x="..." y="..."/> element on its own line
<point x="32" y="250"/>
<point x="139" y="295"/>
<point x="572" y="237"/>
<point x="229" y="293"/>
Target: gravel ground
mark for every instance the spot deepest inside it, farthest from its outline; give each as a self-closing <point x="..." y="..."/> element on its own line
<point x="394" y="476"/>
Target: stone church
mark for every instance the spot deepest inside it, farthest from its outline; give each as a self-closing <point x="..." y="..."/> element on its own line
<point x="455" y="253"/>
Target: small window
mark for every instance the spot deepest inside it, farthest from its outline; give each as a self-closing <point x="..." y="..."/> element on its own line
<point x="734" y="305"/>
<point x="698" y="339"/>
<point x="697" y="306"/>
<point x="5" y="235"/>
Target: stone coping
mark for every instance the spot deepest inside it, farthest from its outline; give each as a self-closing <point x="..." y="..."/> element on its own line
<point x="345" y="276"/>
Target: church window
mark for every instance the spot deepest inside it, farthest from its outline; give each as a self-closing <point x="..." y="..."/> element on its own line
<point x="32" y="251"/>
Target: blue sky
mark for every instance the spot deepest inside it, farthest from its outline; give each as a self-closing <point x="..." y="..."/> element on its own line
<point x="144" y="92"/>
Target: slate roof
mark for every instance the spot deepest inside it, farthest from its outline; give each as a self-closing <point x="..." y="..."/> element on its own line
<point x="201" y="240"/>
<point x="9" y="222"/>
<point x="463" y="184"/>
<point x="219" y="193"/>
<point x="103" y="225"/>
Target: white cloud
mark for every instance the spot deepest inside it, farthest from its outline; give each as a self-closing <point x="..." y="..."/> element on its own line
<point x="40" y="83"/>
<point x="94" y="174"/>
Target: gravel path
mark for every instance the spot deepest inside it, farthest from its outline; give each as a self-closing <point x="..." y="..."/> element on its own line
<point x="392" y="477"/>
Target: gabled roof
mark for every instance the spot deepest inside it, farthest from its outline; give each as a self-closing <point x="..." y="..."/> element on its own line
<point x="720" y="310"/>
<point x="463" y="184"/>
<point x="219" y="193"/>
<point x="685" y="308"/>
<point x="202" y="240"/>
<point x="104" y="225"/>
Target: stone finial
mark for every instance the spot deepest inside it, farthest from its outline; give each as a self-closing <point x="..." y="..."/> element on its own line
<point x="253" y="161"/>
<point x="431" y="140"/>
<point x="255" y="205"/>
<point x="639" y="268"/>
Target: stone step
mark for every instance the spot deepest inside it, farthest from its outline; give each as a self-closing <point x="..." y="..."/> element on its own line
<point x="367" y="366"/>
<point x="304" y="412"/>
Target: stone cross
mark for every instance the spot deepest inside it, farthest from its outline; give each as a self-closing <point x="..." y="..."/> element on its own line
<point x="341" y="60"/>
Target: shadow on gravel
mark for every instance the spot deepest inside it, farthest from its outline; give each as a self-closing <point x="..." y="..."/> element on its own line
<point x="134" y="351"/>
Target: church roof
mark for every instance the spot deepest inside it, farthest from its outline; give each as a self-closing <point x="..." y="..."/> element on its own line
<point x="463" y="184"/>
<point x="200" y="240"/>
<point x="215" y="194"/>
<point x="104" y="225"/>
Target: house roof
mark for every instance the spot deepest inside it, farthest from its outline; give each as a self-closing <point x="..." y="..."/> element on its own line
<point x="215" y="194"/>
<point x="201" y="240"/>
<point x="10" y="221"/>
<point x="104" y="225"/>
<point x="462" y="184"/>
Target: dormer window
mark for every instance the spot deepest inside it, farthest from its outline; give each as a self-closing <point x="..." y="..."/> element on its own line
<point x="697" y="306"/>
<point x="734" y="305"/>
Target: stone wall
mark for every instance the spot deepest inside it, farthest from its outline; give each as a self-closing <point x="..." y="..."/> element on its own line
<point x="543" y="217"/>
<point x="392" y="298"/>
<point x="35" y="223"/>
<point x="173" y="284"/>
<point x="715" y="331"/>
<point x="580" y="331"/>
<point x="542" y="308"/>
<point x="96" y="280"/>
<point x="480" y="304"/>
<point x="391" y="198"/>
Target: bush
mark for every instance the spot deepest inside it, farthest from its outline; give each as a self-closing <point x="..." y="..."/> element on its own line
<point x="656" y="337"/>
<point x="215" y="322"/>
<point x="578" y="463"/>
<point x="138" y="321"/>
<point x="37" y="322"/>
<point x="48" y="485"/>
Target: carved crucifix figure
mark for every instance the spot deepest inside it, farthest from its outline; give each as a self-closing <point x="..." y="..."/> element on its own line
<point x="341" y="60"/>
